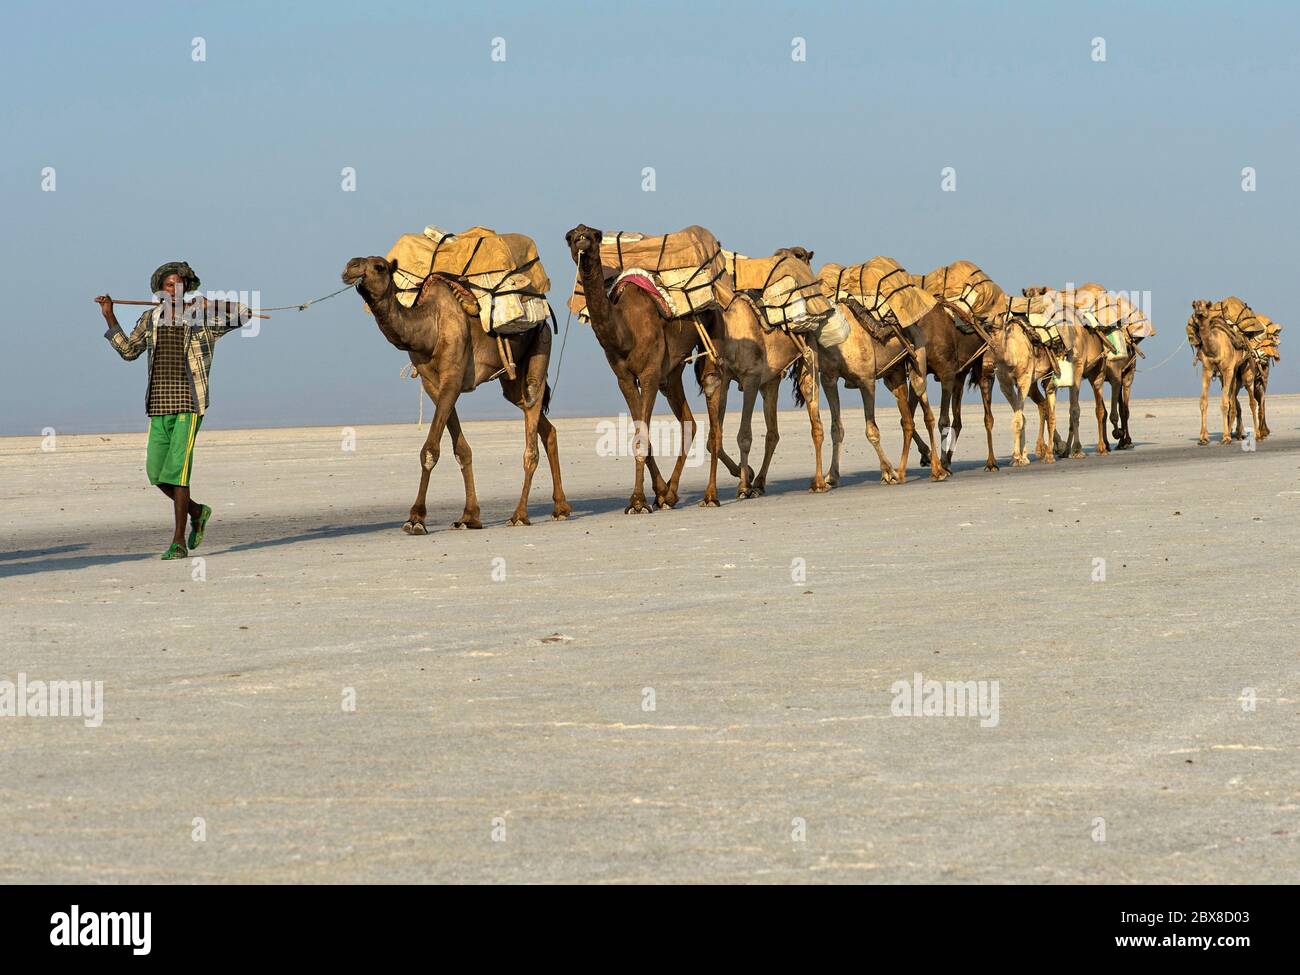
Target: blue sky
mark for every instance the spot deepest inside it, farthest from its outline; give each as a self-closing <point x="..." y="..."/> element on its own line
<point x="1127" y="172"/>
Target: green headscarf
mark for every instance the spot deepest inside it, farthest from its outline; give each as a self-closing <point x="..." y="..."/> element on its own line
<point x="187" y="275"/>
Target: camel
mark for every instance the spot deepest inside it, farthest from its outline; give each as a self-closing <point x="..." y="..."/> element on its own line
<point x="452" y="355"/>
<point x="1088" y="351"/>
<point x="755" y="358"/>
<point x="965" y="293"/>
<point x="1262" y="367"/>
<point x="1219" y="357"/>
<point x="952" y="356"/>
<point x="647" y="353"/>
<point x="1020" y="364"/>
<point x="859" y="361"/>
<point x="1120" y="375"/>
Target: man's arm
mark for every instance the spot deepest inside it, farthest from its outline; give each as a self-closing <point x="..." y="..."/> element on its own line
<point x="127" y="347"/>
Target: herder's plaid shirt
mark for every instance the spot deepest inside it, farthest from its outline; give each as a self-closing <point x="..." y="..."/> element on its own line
<point x="203" y="326"/>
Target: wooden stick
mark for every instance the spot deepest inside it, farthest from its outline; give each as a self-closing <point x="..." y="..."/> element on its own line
<point x="124" y="301"/>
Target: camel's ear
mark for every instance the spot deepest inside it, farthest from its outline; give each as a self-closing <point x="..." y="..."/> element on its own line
<point x="809" y="258"/>
<point x="392" y="266"/>
<point x="568" y="238"/>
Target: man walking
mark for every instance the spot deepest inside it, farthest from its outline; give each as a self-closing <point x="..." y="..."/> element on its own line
<point x="179" y="337"/>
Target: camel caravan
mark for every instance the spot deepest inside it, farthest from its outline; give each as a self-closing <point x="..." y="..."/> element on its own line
<point x="471" y="308"/>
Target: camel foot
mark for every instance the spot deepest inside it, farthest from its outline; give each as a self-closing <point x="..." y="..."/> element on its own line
<point x="710" y="502"/>
<point x="744" y="494"/>
<point x="561" y="511"/>
<point x="992" y="466"/>
<point x="1078" y="454"/>
<point x="924" y="459"/>
<point x="415" y="528"/>
<point x="1225" y="442"/>
<point x="1102" y="450"/>
<point x="465" y="523"/>
<point x="1049" y="459"/>
<point x="819" y="487"/>
<point x="518" y="520"/>
<point x="637" y="506"/>
<point x="833" y="480"/>
<point x="1203" y="442"/>
<point x="758" y="489"/>
<point x="1020" y="462"/>
<point x="939" y="474"/>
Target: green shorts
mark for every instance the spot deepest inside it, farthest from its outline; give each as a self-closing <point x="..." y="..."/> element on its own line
<point x="171" y="447"/>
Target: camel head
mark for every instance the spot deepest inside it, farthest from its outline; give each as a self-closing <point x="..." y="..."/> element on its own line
<point x="798" y="253"/>
<point x="1036" y="291"/>
<point x="371" y="275"/>
<point x="583" y="240"/>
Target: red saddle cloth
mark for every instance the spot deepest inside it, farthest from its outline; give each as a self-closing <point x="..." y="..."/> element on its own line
<point x="646" y="285"/>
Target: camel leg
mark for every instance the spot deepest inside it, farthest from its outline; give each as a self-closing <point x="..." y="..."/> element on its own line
<point x="1252" y="397"/>
<point x="946" y="411"/>
<point x="551" y="444"/>
<point x="443" y="409"/>
<point x="639" y="404"/>
<point x="986" y="397"/>
<point x="1225" y="404"/>
<point x="953" y="399"/>
<point x="1205" y="405"/>
<point x="745" y="440"/>
<point x="1261" y="431"/>
<point x="715" y="401"/>
<point x="1049" y="407"/>
<point x="922" y="449"/>
<point x="465" y="459"/>
<point x="808" y="386"/>
<point x="1036" y="394"/>
<point x="1120" y="399"/>
<point x="916" y="378"/>
<point x="531" y="415"/>
<point x="732" y="467"/>
<point x="1115" y="386"/>
<point x="831" y="387"/>
<point x="899" y="387"/>
<point x="682" y="410"/>
<point x="772" y="436"/>
<point x="887" y="473"/>
<point x="1074" y="442"/>
<point x="1016" y="391"/>
<point x="1099" y="407"/>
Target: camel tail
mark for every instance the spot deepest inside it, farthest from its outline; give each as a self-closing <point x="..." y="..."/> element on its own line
<point x="796" y="380"/>
<point x="546" y="399"/>
<point x="699" y="372"/>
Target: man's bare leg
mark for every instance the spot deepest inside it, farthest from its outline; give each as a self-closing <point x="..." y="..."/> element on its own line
<point x="184" y="509"/>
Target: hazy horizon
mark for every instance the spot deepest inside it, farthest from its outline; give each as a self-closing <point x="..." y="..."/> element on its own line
<point x="1126" y="171"/>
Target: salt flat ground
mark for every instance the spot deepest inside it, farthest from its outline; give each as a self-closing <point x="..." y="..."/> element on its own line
<point x="1127" y="748"/>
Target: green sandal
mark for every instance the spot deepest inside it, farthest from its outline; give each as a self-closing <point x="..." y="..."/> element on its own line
<point x="175" y="552"/>
<point x="196" y="534"/>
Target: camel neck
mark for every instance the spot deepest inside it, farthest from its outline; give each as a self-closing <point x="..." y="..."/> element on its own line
<point x="599" y="307"/>
<point x="391" y="317"/>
